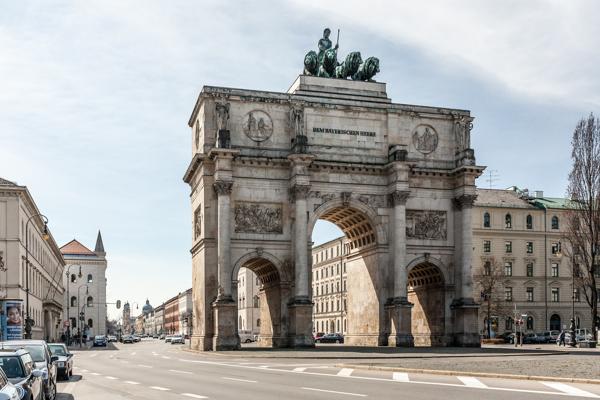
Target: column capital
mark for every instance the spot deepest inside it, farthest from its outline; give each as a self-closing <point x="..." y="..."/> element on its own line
<point x="223" y="187"/>
<point x="399" y="197"/>
<point x="464" y="201"/>
<point x="298" y="192"/>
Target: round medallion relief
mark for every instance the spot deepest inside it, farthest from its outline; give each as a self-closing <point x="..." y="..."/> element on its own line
<point x="425" y="139"/>
<point x="257" y="125"/>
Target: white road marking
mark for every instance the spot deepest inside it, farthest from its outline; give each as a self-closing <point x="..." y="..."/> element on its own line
<point x="95" y="373"/>
<point x="83" y="370"/>
<point x="238" y="380"/>
<point x="472" y="382"/>
<point x="194" y="396"/>
<point x="132" y="383"/>
<point x="299" y="369"/>
<point x="400" y="377"/>
<point x="570" y="390"/>
<point x="159" y="388"/>
<point x="111" y="377"/>
<point x="133" y="354"/>
<point x="144" y="366"/>
<point x="180" y="372"/>
<point x="345" y="372"/>
<point x="333" y="391"/>
<point x="166" y="357"/>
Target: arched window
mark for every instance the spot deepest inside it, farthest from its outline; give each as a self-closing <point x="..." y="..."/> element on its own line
<point x="73" y="278"/>
<point x="258" y="323"/>
<point x="530" y="323"/>
<point x="90" y="279"/>
<point x="508" y="324"/>
<point x="508" y="221"/>
<point x="256" y="302"/>
<point x="555" y="322"/>
<point x="73" y="301"/>
<point x="529" y="222"/>
<point x="555" y="222"/>
<point x="486" y="220"/>
<point x="90" y="301"/>
<point x="90" y="323"/>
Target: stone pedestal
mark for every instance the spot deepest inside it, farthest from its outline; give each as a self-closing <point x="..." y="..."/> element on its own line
<point x="225" y="317"/>
<point x="301" y="324"/>
<point x="399" y="314"/>
<point x="201" y="343"/>
<point x="465" y="314"/>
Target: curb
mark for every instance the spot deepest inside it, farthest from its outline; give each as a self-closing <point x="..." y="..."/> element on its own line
<point x="474" y="374"/>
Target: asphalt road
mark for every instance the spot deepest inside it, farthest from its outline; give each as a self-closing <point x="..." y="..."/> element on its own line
<point x="154" y="370"/>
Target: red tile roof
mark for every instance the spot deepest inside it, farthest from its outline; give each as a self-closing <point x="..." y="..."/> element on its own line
<point x="74" y="247"/>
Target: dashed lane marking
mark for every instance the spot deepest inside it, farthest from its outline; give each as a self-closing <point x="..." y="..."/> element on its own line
<point x="163" y="389"/>
<point x="400" y="377"/>
<point x="299" y="369"/>
<point x="95" y="373"/>
<point x="84" y="370"/>
<point x="111" y="378"/>
<point x="144" y="366"/>
<point x="238" y="380"/>
<point x="570" y="390"/>
<point x="345" y="372"/>
<point x="180" y="372"/>
<point x="472" y="382"/>
<point x="133" y="354"/>
<point x="336" y="392"/>
<point x="194" y="396"/>
<point x="132" y="383"/>
<point x="166" y="357"/>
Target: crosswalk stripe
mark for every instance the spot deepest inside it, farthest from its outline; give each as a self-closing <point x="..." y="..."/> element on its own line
<point x="111" y="378"/>
<point x="472" y="382"/>
<point x="159" y="388"/>
<point x="299" y="369"/>
<point x="194" y="396"/>
<point x="345" y="372"/>
<point x="400" y="377"/>
<point x="571" y="390"/>
<point x="132" y="382"/>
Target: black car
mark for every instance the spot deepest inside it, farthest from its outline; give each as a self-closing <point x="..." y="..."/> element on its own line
<point x="100" y="341"/>
<point x="19" y="369"/>
<point x="42" y="360"/>
<point x="330" y="338"/>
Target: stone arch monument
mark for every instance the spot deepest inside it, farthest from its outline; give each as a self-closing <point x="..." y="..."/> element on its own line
<point x="399" y="181"/>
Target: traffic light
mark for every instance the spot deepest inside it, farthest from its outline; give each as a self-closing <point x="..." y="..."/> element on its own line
<point x="118" y="304"/>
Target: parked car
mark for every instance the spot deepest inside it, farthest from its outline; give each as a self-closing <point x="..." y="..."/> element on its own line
<point x="127" y="339"/>
<point x="155" y="336"/>
<point x="136" y="338"/>
<point x="318" y="335"/>
<point x="177" y="339"/>
<point x="10" y="391"/>
<point x="111" y="338"/>
<point x="331" y="338"/>
<point x="506" y="336"/>
<point x="64" y="365"/>
<point x="168" y="338"/>
<point x="38" y="349"/>
<point x="246" y="337"/>
<point x="531" y="338"/>
<point x="161" y="336"/>
<point x="18" y="369"/>
<point x="551" y="336"/>
<point x="100" y="341"/>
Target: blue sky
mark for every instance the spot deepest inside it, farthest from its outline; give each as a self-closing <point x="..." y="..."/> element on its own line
<point x="95" y="98"/>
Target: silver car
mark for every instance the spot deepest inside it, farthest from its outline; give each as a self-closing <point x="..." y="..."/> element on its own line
<point x="64" y="364"/>
<point x="177" y="339"/>
<point x="8" y="391"/>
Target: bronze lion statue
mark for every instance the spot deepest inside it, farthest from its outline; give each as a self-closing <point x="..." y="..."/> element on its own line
<point x="327" y="68"/>
<point x="367" y="70"/>
<point x="311" y="63"/>
<point x="350" y="66"/>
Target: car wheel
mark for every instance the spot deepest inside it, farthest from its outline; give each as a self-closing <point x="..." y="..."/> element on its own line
<point x="337" y="341"/>
<point x="51" y="394"/>
<point x="248" y="341"/>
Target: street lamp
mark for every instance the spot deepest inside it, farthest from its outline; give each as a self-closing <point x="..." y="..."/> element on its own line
<point x="45" y="236"/>
<point x="81" y="313"/>
<point x="573" y="290"/>
<point x="68" y="273"/>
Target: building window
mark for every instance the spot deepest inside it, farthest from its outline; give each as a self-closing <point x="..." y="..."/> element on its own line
<point x="487" y="246"/>
<point x="529" y="294"/>
<point x="529" y="247"/>
<point x="258" y="323"/>
<point x="555" y="248"/>
<point x="554" y="270"/>
<point x="73" y="301"/>
<point x="508" y="293"/>
<point x="487" y="268"/>
<point x="486" y="220"/>
<point x="555" y="295"/>
<point x="507" y="221"/>
<point x="576" y="295"/>
<point x="256" y="301"/>
<point x="529" y="222"/>
<point x="73" y="278"/>
<point x="508" y="324"/>
<point x="508" y="268"/>
<point x="90" y="323"/>
<point x="90" y="301"/>
<point x="508" y="246"/>
<point x="530" y="269"/>
<point x="530" y="323"/>
<point x="90" y="279"/>
<point x="555" y="222"/>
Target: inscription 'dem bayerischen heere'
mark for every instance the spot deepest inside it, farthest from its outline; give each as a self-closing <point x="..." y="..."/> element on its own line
<point x="343" y="132"/>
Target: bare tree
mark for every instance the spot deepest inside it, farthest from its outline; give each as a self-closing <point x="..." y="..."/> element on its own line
<point x="583" y="228"/>
<point x="489" y="279"/>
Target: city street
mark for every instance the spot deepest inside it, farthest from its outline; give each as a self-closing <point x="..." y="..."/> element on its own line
<point x="153" y="369"/>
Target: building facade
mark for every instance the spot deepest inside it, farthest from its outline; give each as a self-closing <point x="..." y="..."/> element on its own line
<point x="329" y="286"/>
<point x="185" y="312"/>
<point x="85" y="282"/>
<point x="30" y="259"/>
<point x="248" y="302"/>
<point x="127" y="326"/>
<point x="171" y="316"/>
<point x="524" y="234"/>
<point x="159" y="319"/>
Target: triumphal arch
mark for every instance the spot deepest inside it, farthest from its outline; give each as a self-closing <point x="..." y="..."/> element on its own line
<point x="397" y="179"/>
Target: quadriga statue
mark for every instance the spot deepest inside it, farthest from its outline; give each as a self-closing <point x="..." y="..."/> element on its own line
<point x="311" y="63"/>
<point x="350" y="66"/>
<point x="327" y="68"/>
<point x="367" y="70"/>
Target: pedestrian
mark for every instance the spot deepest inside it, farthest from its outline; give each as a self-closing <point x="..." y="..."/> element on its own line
<point x="562" y="338"/>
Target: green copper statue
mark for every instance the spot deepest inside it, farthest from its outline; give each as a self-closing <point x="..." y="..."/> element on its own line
<point x="325" y="64"/>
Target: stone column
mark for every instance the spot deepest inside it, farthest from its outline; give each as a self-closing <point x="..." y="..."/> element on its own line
<point x="464" y="307"/>
<point x="399" y="309"/>
<point x="223" y="190"/>
<point x="301" y="275"/>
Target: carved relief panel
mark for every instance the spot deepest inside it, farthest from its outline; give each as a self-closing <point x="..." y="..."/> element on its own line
<point x="258" y="217"/>
<point x="198" y="222"/>
<point x="426" y="224"/>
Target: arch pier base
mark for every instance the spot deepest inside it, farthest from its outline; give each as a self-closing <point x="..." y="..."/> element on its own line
<point x="225" y="317"/>
<point x="301" y="323"/>
<point x="399" y="314"/>
<point x="465" y="314"/>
